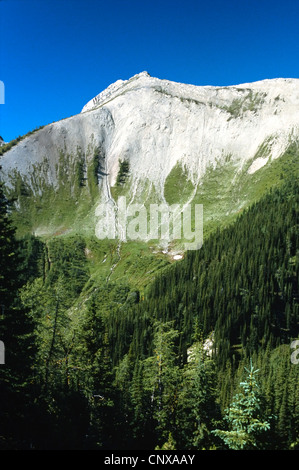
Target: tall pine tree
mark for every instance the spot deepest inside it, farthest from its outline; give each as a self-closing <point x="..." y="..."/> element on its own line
<point x="16" y="332"/>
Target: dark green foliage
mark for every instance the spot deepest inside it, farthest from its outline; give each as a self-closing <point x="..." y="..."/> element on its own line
<point x="79" y="172"/>
<point x="124" y="168"/>
<point x="95" y="171"/>
<point x="16" y="332"/>
<point x="113" y="369"/>
<point x="243" y="283"/>
<point x="9" y="261"/>
<point x="5" y="147"/>
<point x="161" y="381"/>
<point x="198" y="409"/>
<point x="244" y="417"/>
<point x="67" y="261"/>
<point x="34" y="258"/>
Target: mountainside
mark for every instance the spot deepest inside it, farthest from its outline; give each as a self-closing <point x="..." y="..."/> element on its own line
<point x="181" y="143"/>
<point x="113" y="343"/>
<point x="100" y="365"/>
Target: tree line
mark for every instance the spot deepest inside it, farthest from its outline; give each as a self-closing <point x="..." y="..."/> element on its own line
<point x="94" y="365"/>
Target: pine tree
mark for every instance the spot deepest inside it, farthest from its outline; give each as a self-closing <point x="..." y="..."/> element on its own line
<point x="198" y="397"/>
<point x="245" y="418"/>
<point x="16" y="332"/>
<point x="161" y="380"/>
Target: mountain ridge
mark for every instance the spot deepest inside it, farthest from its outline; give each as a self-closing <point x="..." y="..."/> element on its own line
<point x="112" y="90"/>
<point x="173" y="136"/>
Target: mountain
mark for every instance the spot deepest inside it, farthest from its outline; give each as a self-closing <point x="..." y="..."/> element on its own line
<point x="111" y="343"/>
<point x="216" y="146"/>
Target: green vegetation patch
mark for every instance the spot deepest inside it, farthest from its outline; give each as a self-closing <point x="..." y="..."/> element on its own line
<point x="225" y="193"/>
<point x="6" y="147"/>
<point x="178" y="187"/>
<point x="250" y="102"/>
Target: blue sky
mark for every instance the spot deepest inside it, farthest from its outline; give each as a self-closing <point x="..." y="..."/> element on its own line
<point x="55" y="55"/>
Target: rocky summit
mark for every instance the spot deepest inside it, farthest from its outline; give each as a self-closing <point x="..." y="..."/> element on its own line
<point x="171" y="135"/>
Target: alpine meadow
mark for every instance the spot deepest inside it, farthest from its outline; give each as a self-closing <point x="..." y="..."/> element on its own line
<point x="149" y="290"/>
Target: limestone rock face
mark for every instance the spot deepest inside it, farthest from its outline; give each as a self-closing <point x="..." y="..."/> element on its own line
<point x="155" y="124"/>
<point x="158" y="123"/>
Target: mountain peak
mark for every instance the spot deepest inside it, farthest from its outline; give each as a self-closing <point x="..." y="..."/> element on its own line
<point x="171" y="136"/>
<point x="112" y="90"/>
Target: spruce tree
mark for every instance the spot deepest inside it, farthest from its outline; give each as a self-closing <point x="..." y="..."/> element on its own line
<point x="246" y="424"/>
<point x="162" y="380"/>
<point x="199" y="396"/>
<point x="16" y="332"/>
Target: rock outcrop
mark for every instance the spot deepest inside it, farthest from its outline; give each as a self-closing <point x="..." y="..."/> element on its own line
<point x="156" y="125"/>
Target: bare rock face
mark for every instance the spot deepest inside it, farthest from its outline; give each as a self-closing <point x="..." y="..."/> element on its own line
<point x="157" y="124"/>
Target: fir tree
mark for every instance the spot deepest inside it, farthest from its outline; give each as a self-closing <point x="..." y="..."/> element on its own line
<point x="245" y="418"/>
<point x="161" y="379"/>
<point x="16" y="332"/>
<point x="198" y="410"/>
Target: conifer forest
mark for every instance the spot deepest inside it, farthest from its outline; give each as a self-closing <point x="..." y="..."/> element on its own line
<point x="205" y="357"/>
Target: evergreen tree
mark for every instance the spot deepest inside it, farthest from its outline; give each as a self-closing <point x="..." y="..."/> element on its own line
<point x="245" y="417"/>
<point x="16" y="332"/>
<point x="161" y="380"/>
<point x="198" y="410"/>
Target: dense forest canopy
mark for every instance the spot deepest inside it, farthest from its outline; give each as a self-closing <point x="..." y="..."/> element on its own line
<point x="100" y="365"/>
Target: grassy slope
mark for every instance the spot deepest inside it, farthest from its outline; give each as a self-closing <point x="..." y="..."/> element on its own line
<point x="223" y="193"/>
<point x="117" y="270"/>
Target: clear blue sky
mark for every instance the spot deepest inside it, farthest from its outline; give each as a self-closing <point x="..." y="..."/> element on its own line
<point x="55" y="55"/>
